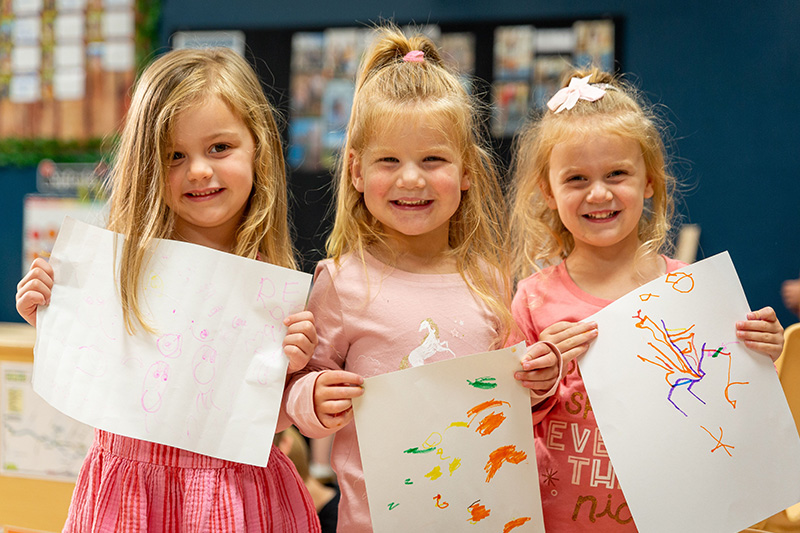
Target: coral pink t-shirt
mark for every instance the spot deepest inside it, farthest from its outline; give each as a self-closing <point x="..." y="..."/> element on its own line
<point x="579" y="489"/>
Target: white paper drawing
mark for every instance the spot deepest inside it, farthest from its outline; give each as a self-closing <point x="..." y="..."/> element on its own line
<point x="696" y="424"/>
<point x="209" y="379"/>
<point x="449" y="446"/>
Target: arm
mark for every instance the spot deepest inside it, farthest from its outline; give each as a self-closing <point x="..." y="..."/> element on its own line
<point x="317" y="403"/>
<point x="34" y="290"/>
<point x="762" y="332"/>
<point x="298" y="345"/>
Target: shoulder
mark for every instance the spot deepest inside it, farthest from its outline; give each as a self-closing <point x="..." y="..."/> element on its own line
<point x="673" y="264"/>
<point x="539" y="281"/>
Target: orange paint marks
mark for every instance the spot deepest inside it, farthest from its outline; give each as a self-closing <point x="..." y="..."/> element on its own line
<point x="440" y="503"/>
<point x="504" y="454"/>
<point x="515" y="523"/>
<point x="477" y="513"/>
<point x="486" y="405"/>
<point x="489" y="423"/>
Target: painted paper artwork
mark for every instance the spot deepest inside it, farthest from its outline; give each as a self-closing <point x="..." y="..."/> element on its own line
<point x="449" y="447"/>
<point x="696" y="424"/>
<point x="209" y="379"/>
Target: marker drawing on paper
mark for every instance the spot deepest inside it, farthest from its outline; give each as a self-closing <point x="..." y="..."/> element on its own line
<point x="677" y="398"/>
<point x="472" y="463"/>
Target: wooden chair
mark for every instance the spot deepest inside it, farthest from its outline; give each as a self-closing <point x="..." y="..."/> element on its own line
<point x="788" y="365"/>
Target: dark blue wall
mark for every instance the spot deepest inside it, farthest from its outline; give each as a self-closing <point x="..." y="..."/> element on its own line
<point x="727" y="72"/>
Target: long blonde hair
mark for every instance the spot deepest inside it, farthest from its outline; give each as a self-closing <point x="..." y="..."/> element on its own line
<point x="538" y="236"/>
<point x="387" y="89"/>
<point x="171" y="84"/>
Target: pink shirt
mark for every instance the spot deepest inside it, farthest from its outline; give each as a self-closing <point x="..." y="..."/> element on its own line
<point x="579" y="489"/>
<point x="372" y="319"/>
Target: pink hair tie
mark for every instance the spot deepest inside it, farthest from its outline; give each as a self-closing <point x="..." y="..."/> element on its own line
<point x="578" y="89"/>
<point x="414" y="56"/>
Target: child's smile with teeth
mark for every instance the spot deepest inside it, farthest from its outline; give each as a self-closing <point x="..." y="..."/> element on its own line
<point x="203" y="193"/>
<point x="602" y="215"/>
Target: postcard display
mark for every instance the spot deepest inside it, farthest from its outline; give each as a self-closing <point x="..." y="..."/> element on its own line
<point x="66" y="67"/>
<point x="525" y="69"/>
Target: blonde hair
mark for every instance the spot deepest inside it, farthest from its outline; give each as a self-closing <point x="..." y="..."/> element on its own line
<point x="538" y="236"/>
<point x="173" y="83"/>
<point x="387" y="90"/>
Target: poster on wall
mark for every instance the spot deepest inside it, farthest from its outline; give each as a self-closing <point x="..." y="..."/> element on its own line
<point x="530" y="63"/>
<point x="36" y="440"/>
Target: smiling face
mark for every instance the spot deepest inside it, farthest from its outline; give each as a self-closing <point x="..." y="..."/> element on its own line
<point x="210" y="173"/>
<point x="598" y="183"/>
<point x="411" y="176"/>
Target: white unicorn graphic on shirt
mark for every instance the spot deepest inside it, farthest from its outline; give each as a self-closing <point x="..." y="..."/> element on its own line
<point x="430" y="345"/>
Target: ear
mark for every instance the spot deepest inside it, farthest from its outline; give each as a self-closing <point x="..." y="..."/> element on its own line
<point x="648" y="188"/>
<point x="465" y="184"/>
<point x="356" y="174"/>
<point x="548" y="196"/>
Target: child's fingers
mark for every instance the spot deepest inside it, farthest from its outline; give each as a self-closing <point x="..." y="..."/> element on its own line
<point x="296" y="318"/>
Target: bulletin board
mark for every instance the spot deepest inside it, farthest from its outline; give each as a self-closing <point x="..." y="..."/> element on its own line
<point x="308" y="73"/>
<point x="66" y="69"/>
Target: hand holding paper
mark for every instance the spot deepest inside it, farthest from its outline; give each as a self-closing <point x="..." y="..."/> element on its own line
<point x="333" y="397"/>
<point x="34" y="290"/>
<point x="571" y="338"/>
<point x="540" y="368"/>
<point x="300" y="339"/>
<point x="762" y="332"/>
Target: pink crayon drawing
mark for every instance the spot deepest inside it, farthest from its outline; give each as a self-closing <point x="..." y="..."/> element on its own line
<point x="169" y="345"/>
<point x="154" y="386"/>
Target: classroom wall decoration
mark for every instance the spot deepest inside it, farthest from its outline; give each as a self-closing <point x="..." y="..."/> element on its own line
<point x="67" y="66"/>
<point x="528" y="62"/>
<point x="695" y="423"/>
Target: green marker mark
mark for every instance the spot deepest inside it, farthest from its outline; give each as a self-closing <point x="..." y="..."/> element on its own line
<point x="716" y="353"/>
<point x="417" y="450"/>
<point x="393" y="505"/>
<point x="485" y="382"/>
<point x="408" y="481"/>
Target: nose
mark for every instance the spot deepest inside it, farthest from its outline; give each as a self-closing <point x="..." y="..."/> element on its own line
<point x="199" y="169"/>
<point x="411" y="177"/>
<point x="599" y="193"/>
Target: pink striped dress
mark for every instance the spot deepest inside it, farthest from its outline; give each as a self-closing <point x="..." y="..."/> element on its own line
<point x="130" y="485"/>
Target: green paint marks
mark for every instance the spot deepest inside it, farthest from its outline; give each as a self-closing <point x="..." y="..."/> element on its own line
<point x="716" y="353"/>
<point x="416" y="450"/>
<point x="485" y="382"/>
<point x="393" y="505"/>
<point x="408" y="481"/>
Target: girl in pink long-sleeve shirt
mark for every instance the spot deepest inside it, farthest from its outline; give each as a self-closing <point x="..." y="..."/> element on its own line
<point x="416" y="270"/>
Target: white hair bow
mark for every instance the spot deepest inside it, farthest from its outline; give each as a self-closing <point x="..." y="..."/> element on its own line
<point x="578" y="89"/>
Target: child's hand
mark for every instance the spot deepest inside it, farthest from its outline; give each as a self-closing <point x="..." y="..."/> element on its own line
<point x="333" y="397"/>
<point x="34" y="289"/>
<point x="762" y="332"/>
<point x="571" y="338"/>
<point x="540" y="369"/>
<point x="300" y="340"/>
